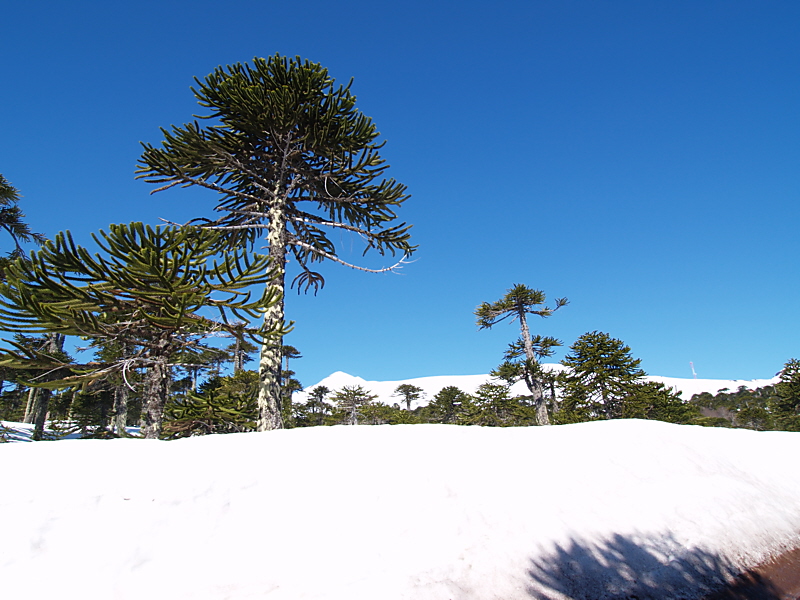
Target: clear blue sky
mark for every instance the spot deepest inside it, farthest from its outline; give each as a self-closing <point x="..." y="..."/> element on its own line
<point x="641" y="158"/>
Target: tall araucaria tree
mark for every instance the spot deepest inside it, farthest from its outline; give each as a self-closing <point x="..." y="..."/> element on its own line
<point x="145" y="289"/>
<point x="519" y="302"/>
<point x="293" y="160"/>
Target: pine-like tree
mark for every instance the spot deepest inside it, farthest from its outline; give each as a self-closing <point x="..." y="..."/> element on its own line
<point x="409" y="393"/>
<point x="519" y="302"/>
<point x="316" y="411"/>
<point x="350" y="399"/>
<point x="493" y="406"/>
<point x="601" y="375"/>
<point x="145" y="290"/>
<point x="786" y="406"/>
<point x="450" y="405"/>
<point x="292" y="158"/>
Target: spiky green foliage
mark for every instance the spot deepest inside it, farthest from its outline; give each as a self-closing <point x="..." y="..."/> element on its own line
<point x="316" y="411"/>
<point x="11" y="219"/>
<point x="282" y="133"/>
<point x="409" y="393"/>
<point x="292" y="158"/>
<point x="493" y="406"/>
<point x="350" y="400"/>
<point x="450" y="405"/>
<point x="604" y="381"/>
<point x="521" y="358"/>
<point x="786" y="406"/>
<point x="145" y="288"/>
<point x="11" y="216"/>
<point x="227" y="405"/>
<point x="146" y="282"/>
<point x="655" y="401"/>
<point x="601" y="374"/>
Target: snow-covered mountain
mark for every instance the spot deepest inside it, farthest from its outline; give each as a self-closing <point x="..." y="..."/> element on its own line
<point x="469" y="383"/>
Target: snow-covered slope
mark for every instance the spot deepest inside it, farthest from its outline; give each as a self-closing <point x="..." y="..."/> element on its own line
<point x="611" y="509"/>
<point x="469" y="383"/>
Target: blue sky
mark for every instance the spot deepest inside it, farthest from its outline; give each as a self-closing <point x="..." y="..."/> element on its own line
<point x="640" y="158"/>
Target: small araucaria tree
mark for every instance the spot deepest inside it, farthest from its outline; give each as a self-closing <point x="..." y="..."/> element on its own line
<point x="409" y="393"/>
<point x="519" y="302"/>
<point x="350" y="399"/>
<point x="144" y="289"/>
<point x="293" y="160"/>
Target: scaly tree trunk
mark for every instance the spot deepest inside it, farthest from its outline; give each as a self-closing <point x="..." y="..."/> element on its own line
<point x="28" y="418"/>
<point x="238" y="358"/>
<point x="269" y="367"/>
<point x="533" y="382"/>
<point x="40" y="405"/>
<point x="120" y="422"/>
<point x="155" y="396"/>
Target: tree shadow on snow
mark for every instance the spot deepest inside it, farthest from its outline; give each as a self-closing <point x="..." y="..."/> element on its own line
<point x="623" y="569"/>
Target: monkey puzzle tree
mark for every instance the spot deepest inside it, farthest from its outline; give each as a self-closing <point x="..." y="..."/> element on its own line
<point x="292" y="158"/>
<point x="519" y="302"/>
<point x="409" y="393"/>
<point x="350" y="399"/>
<point x="145" y="291"/>
<point x="11" y="216"/>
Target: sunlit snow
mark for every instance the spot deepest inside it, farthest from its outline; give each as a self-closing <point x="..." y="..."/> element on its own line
<point x="595" y="510"/>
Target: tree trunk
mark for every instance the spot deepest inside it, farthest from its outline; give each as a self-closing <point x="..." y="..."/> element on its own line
<point x="533" y="382"/>
<point x="120" y="422"/>
<point x="269" y="367"/>
<point x="237" y="356"/>
<point x="40" y="406"/>
<point x="28" y="418"/>
<point x="155" y="396"/>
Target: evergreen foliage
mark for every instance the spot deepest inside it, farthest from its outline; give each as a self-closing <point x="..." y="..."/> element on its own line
<point x="493" y="406"/>
<point x="409" y="393"/>
<point x="350" y="400"/>
<point x="316" y="411"/>
<point x="11" y="219"/>
<point x="145" y="290"/>
<point x="451" y="405"/>
<point x="601" y="375"/>
<point x="225" y="405"/>
<point x="786" y="405"/>
<point x="605" y="382"/>
<point x="522" y="357"/>
<point x="291" y="157"/>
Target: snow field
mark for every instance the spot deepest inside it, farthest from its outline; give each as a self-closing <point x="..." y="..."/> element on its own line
<point x="429" y="512"/>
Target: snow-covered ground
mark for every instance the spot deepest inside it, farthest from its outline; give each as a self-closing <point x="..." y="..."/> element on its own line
<point x="469" y="383"/>
<point x="612" y="509"/>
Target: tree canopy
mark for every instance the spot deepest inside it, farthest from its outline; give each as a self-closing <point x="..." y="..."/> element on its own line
<point x="292" y="159"/>
<point x="145" y="289"/>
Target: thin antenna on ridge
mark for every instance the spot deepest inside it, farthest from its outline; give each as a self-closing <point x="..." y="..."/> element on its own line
<point x="691" y="364"/>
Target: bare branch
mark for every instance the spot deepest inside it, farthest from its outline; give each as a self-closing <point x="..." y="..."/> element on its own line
<point x="335" y="258"/>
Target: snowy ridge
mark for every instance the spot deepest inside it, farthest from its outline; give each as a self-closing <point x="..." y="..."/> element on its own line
<point x="470" y="383"/>
<point x="610" y="509"/>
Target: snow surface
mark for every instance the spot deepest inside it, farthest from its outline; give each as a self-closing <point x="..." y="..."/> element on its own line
<point x="470" y="383"/>
<point x="609" y="509"/>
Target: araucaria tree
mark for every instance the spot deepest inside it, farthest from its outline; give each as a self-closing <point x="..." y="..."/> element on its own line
<point x="145" y="289"/>
<point x="292" y="160"/>
<point x="604" y="381"/>
<point x="521" y="359"/>
<point x="350" y="399"/>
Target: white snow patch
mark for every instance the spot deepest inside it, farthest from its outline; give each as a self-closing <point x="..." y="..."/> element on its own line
<point x="426" y="512"/>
